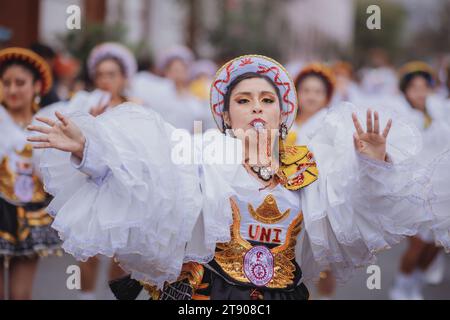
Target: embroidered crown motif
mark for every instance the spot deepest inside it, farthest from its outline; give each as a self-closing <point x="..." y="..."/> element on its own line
<point x="268" y="211"/>
<point x="27" y="151"/>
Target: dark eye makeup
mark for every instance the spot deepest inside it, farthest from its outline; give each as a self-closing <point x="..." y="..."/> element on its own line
<point x="268" y="100"/>
<point x="242" y="101"/>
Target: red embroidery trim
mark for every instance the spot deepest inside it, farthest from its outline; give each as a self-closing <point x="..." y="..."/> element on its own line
<point x="245" y="62"/>
<point x="228" y="69"/>
<point x="263" y="70"/>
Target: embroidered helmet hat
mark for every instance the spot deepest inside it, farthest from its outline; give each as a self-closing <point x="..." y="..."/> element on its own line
<point x="254" y="64"/>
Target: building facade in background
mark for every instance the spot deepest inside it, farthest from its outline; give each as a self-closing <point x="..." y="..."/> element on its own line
<point x="164" y="23"/>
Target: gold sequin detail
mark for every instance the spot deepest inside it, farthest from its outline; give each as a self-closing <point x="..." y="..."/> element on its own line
<point x="268" y="211"/>
<point x="25" y="220"/>
<point x="230" y="256"/>
<point x="192" y="271"/>
<point x="8" y="179"/>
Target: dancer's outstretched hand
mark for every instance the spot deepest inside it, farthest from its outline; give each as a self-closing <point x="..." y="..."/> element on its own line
<point x="63" y="135"/>
<point x="371" y="143"/>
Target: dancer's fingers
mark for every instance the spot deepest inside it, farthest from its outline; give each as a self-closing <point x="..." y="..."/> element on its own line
<point x="38" y="139"/>
<point x="357" y="124"/>
<point x="62" y="118"/>
<point x="44" y="145"/>
<point x="369" y="121"/>
<point x="376" y="126"/>
<point x="387" y="128"/>
<point x="40" y="129"/>
<point x="47" y="121"/>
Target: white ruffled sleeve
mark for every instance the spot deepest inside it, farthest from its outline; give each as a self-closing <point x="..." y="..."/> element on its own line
<point x="436" y="155"/>
<point x="440" y="200"/>
<point x="127" y="199"/>
<point x="92" y="163"/>
<point x="359" y="206"/>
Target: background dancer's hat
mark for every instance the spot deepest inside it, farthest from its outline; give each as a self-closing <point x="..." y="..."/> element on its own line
<point x="203" y="67"/>
<point x="410" y="69"/>
<point x="258" y="64"/>
<point x="178" y="52"/>
<point x="322" y="71"/>
<point x="112" y="50"/>
<point x="33" y="60"/>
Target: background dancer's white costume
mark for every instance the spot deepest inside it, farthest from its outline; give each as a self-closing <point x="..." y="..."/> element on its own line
<point x="24" y="223"/>
<point x="178" y="106"/>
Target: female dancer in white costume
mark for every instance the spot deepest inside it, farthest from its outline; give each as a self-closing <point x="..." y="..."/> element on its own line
<point x="111" y="66"/>
<point x="243" y="230"/>
<point x="171" y="96"/>
<point x="315" y="85"/>
<point x="25" y="232"/>
<point x="417" y="84"/>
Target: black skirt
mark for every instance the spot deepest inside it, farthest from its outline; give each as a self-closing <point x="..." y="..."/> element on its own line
<point x="214" y="286"/>
<point x="223" y="288"/>
<point x="26" y="230"/>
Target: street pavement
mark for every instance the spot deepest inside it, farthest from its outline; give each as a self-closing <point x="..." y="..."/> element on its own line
<point x="51" y="280"/>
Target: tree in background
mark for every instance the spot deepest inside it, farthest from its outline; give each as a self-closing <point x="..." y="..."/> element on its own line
<point x="249" y="26"/>
<point x="434" y="36"/>
<point x="79" y="43"/>
<point x="389" y="37"/>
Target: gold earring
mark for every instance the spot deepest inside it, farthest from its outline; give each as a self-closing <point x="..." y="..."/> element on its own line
<point x="36" y="103"/>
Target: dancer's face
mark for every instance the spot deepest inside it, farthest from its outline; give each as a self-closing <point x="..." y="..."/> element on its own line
<point x="177" y="71"/>
<point x="343" y="80"/>
<point x="312" y="95"/>
<point x="253" y="100"/>
<point x="19" y="88"/>
<point x="110" y="77"/>
<point x="417" y="92"/>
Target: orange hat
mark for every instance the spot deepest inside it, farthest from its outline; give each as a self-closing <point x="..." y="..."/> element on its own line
<point x="321" y="70"/>
<point x="415" y="67"/>
<point x="342" y="67"/>
<point x="34" y="60"/>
